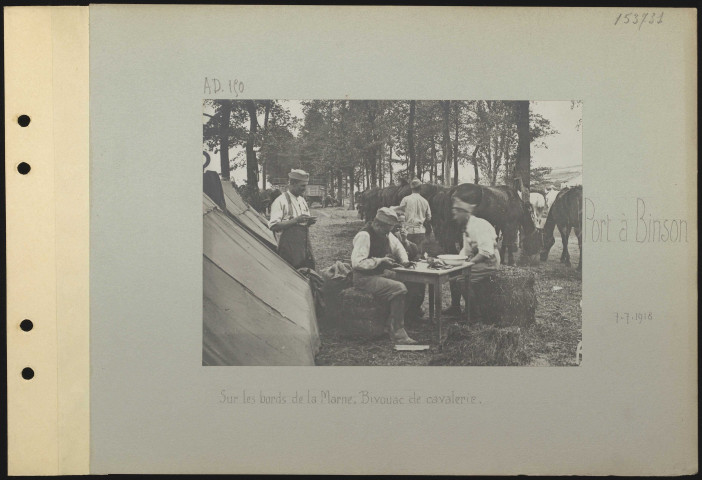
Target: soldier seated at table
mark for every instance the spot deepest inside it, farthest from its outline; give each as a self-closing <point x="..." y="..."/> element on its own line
<point x="417" y="290"/>
<point x="375" y="252"/>
<point x="400" y="233"/>
<point x="479" y="245"/>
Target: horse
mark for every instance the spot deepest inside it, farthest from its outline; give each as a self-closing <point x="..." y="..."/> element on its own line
<point x="566" y="213"/>
<point x="447" y="231"/>
<point x="357" y="201"/>
<point x="391" y="196"/>
<point x="503" y="208"/>
<point x="369" y="203"/>
<point x="551" y="197"/>
<point x="538" y="204"/>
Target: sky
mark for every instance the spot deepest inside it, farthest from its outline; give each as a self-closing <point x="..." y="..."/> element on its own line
<point x="564" y="149"/>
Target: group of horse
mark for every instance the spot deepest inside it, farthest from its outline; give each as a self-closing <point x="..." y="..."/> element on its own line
<point x="501" y="205"/>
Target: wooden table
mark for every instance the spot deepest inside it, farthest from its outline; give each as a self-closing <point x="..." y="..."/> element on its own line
<point x="435" y="279"/>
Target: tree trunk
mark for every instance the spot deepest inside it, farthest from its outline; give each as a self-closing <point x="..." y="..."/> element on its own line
<point x="372" y="153"/>
<point x="420" y="161"/>
<point x="495" y="161"/>
<point x="225" y="113"/>
<point x="500" y="144"/>
<point x="455" y="150"/>
<point x="351" y="190"/>
<point x="390" y="166"/>
<point x="433" y="159"/>
<point x="446" y="143"/>
<point x="381" y="173"/>
<point x="263" y="139"/>
<point x="489" y="156"/>
<point x="522" y="165"/>
<point x="339" y="184"/>
<point x="509" y="171"/>
<point x="476" y="178"/>
<point x="251" y="163"/>
<point x="410" y="140"/>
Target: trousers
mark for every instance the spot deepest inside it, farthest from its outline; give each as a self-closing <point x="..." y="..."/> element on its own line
<point x="384" y="287"/>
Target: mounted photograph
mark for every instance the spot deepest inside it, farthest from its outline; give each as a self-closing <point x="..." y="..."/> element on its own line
<point x="392" y="233"/>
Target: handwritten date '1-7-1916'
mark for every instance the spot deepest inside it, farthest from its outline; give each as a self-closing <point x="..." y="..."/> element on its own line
<point x="633" y="318"/>
<point x="633" y="18"/>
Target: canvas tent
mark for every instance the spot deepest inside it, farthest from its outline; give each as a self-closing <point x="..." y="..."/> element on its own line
<point x="257" y="309"/>
<point x="250" y="218"/>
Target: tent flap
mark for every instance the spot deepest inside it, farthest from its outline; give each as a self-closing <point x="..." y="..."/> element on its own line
<point x="257" y="310"/>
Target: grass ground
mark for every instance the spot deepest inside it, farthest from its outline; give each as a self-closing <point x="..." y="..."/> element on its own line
<point x="551" y="341"/>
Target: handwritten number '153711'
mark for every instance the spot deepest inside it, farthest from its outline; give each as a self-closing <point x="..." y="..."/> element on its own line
<point x="639" y="19"/>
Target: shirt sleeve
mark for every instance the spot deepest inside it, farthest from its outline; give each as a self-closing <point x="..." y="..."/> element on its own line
<point x="277" y="211"/>
<point x="359" y="255"/>
<point x="484" y="236"/>
<point x="467" y="250"/>
<point x="397" y="249"/>
<point x="428" y="211"/>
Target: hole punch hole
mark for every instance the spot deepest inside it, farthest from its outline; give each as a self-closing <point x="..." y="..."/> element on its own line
<point x="23" y="120"/>
<point x="26" y="325"/>
<point x="27" y="373"/>
<point x="24" y="168"/>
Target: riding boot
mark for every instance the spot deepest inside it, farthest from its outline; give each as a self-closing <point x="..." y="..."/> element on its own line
<point x="397" y="321"/>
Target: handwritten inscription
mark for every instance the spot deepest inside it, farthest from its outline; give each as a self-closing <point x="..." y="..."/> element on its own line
<point x="632" y="318"/>
<point x="644" y="227"/>
<point x="329" y="397"/>
<point x="640" y="19"/>
<point x="213" y="86"/>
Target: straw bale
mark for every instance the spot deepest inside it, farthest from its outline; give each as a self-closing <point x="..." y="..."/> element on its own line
<point x="361" y="314"/>
<point x="481" y="345"/>
<point x="331" y="293"/>
<point x="508" y="297"/>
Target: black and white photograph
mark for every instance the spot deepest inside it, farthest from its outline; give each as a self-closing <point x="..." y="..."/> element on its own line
<point x="392" y="232"/>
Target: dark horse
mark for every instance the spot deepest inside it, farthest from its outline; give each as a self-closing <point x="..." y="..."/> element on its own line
<point x="565" y="213"/>
<point x="369" y="203"/>
<point x="373" y="198"/>
<point x="502" y="207"/>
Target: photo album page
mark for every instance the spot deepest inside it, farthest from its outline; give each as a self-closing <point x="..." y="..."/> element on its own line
<point x="351" y="240"/>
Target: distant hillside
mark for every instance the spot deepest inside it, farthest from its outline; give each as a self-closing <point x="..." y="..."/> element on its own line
<point x="570" y="176"/>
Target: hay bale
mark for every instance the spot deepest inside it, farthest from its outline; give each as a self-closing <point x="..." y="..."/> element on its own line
<point x="361" y="314"/>
<point x="508" y="297"/>
<point x="331" y="293"/>
<point x="481" y="345"/>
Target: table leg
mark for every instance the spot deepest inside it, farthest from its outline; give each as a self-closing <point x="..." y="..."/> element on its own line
<point x="431" y="303"/>
<point x="466" y="294"/>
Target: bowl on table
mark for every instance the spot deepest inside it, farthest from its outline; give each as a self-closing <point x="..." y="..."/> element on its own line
<point x="453" y="259"/>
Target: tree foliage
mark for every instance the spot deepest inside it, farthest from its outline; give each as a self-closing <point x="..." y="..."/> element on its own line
<point x="354" y="144"/>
